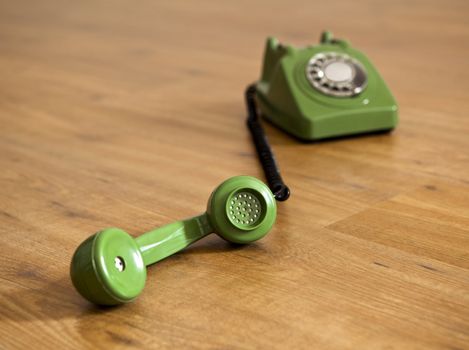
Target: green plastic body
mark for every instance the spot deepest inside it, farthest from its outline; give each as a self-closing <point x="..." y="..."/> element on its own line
<point x="109" y="267"/>
<point x="287" y="99"/>
<point x="167" y="240"/>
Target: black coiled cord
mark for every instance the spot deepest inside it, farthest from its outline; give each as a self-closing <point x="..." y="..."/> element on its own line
<point x="277" y="186"/>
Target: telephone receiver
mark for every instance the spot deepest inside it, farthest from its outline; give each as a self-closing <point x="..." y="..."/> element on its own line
<point x="109" y="268"/>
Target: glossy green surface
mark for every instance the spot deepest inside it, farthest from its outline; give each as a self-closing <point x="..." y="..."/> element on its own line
<point x="225" y="208"/>
<point x="287" y="99"/>
<point x="109" y="268"/>
<point x="96" y="274"/>
<point x="169" y="239"/>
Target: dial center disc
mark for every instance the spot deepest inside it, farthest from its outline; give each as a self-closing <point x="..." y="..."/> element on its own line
<point x="338" y="71"/>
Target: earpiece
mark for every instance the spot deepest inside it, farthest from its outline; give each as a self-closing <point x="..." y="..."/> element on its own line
<point x="109" y="268"/>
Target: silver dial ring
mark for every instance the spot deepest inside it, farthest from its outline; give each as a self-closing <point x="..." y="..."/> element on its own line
<point x="336" y="74"/>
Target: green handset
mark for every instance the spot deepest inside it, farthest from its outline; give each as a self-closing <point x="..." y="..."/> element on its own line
<point x="323" y="91"/>
<point x="109" y="268"/>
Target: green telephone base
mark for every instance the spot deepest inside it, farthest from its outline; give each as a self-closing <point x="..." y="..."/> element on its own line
<point x="323" y="91"/>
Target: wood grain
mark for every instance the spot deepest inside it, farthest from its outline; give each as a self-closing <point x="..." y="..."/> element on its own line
<point x="128" y="114"/>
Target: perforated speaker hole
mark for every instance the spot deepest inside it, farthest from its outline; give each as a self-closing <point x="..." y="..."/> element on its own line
<point x="245" y="209"/>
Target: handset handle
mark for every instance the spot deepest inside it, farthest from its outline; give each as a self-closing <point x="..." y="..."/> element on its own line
<point x="162" y="242"/>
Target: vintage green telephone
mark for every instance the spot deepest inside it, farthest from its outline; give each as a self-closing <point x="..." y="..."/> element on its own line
<point x="323" y="91"/>
<point x="313" y="93"/>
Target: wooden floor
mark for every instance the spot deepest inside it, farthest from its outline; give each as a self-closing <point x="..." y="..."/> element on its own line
<point x="128" y="114"/>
